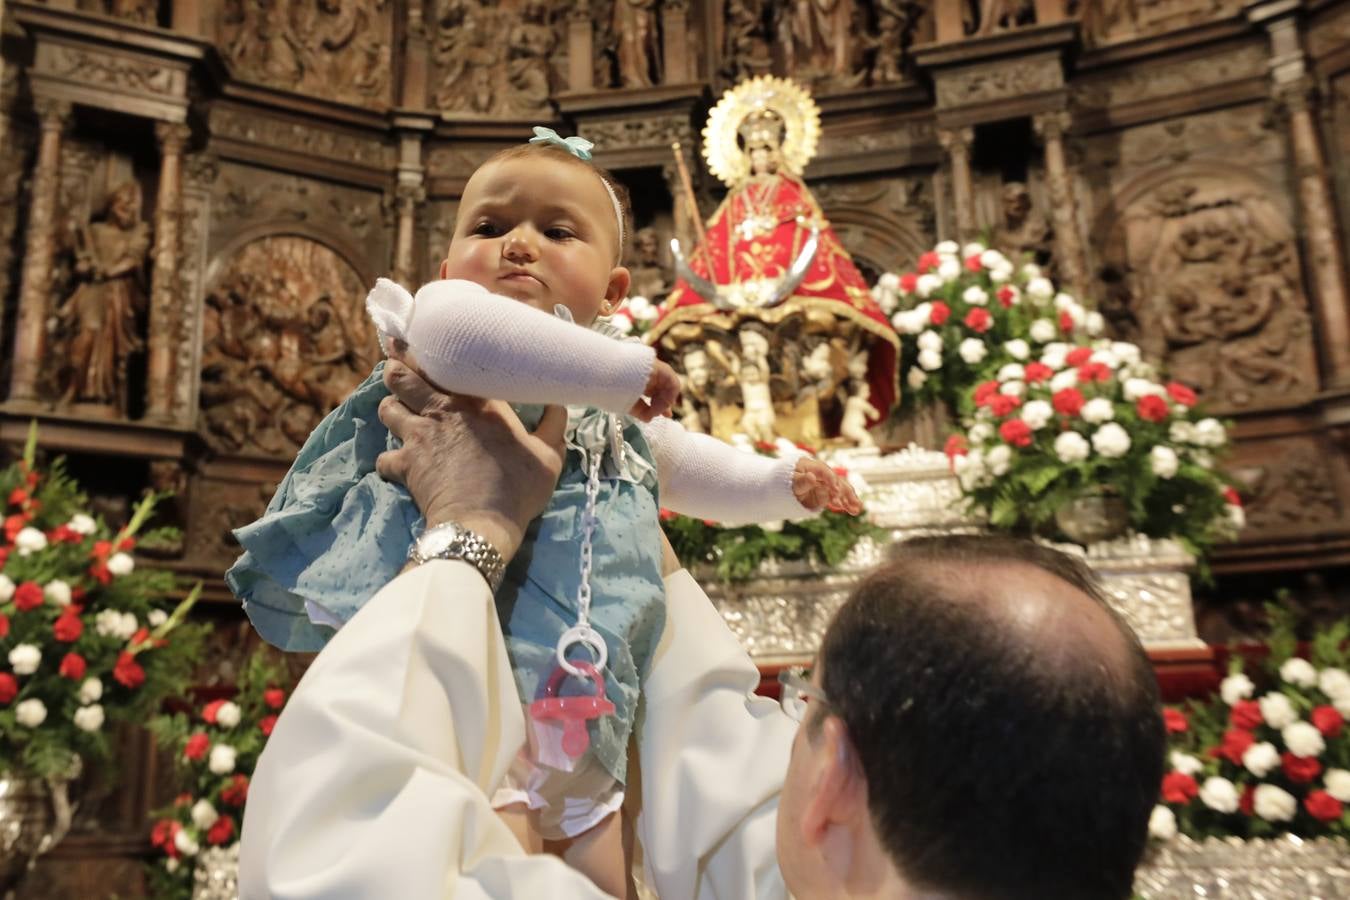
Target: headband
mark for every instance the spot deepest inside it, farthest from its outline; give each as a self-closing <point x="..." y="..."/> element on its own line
<point x="581" y="148"/>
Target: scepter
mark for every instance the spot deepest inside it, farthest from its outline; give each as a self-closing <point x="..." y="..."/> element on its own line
<point x="690" y="198"/>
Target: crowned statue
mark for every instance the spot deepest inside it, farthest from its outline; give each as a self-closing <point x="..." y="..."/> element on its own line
<point x="770" y="296"/>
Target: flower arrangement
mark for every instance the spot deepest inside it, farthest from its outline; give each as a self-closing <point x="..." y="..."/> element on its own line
<point x="965" y="311"/>
<point x="215" y="749"/>
<point x="1260" y="765"/>
<point x="635" y="317"/>
<point x="86" y="634"/>
<point x="737" y="551"/>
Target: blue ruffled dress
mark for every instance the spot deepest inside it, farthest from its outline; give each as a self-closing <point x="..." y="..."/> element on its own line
<point x="336" y="532"/>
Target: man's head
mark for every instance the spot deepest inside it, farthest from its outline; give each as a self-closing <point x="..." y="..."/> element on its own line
<point x="991" y="730"/>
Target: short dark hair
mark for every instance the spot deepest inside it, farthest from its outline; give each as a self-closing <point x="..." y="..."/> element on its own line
<point x="990" y="775"/>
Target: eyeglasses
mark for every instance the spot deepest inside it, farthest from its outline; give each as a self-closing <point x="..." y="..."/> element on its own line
<point x="795" y="691"/>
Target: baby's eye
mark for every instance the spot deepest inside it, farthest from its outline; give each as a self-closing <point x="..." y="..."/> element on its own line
<point x="558" y="233"/>
<point x="486" y="229"/>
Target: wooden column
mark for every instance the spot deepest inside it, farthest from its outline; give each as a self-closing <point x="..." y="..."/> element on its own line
<point x="1069" y="251"/>
<point x="949" y="20"/>
<point x="39" y="249"/>
<point x="416" y="59"/>
<point x="165" y="299"/>
<point x="580" y="41"/>
<point x="957" y="143"/>
<point x="675" y="61"/>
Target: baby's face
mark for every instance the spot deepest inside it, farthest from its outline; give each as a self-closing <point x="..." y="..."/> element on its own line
<point x="541" y="231"/>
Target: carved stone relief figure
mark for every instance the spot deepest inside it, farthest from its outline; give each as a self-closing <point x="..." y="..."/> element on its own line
<point x="650" y="278"/>
<point x="141" y="11"/>
<point x="479" y="72"/>
<point x="284" y="341"/>
<point x="639" y="51"/>
<point x="816" y="40"/>
<point x="746" y="47"/>
<point x="339" y="48"/>
<point x="1293" y="489"/>
<point x="896" y="23"/>
<point x="993" y="16"/>
<point x="1107" y="21"/>
<point x="531" y="43"/>
<point x="1023" y="232"/>
<point x="99" y="319"/>
<point x="1205" y="269"/>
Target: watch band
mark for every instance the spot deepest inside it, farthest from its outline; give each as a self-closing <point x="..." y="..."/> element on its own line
<point x="450" y="540"/>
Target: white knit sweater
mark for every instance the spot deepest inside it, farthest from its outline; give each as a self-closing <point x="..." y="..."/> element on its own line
<point x="470" y="341"/>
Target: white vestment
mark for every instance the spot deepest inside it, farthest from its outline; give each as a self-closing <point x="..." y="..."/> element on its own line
<point x="375" y="782"/>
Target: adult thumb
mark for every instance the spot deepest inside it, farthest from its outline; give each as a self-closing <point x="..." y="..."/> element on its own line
<point x="552" y="426"/>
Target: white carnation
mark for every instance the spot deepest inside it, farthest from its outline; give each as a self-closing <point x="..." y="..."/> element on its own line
<point x="227" y="716"/>
<point x="1181" y="432"/>
<point x="998" y="459"/>
<point x="1261" y="758"/>
<point x="29" y="540"/>
<point x="973" y="350"/>
<point x="1219" y="794"/>
<point x="1066" y="379"/>
<point x="1338" y="784"/>
<point x="1037" y="414"/>
<point x="1277" y="710"/>
<point x="890" y="281"/>
<point x="1303" y="739"/>
<point x="1185" y="763"/>
<point x="930" y="360"/>
<point x="1065" y="301"/>
<point x="1043" y="331"/>
<point x="949" y="269"/>
<point x="993" y="259"/>
<point x="1072" y="447"/>
<point x="1129" y="354"/>
<point x="1031" y="270"/>
<point x="1342" y="705"/>
<point x="926" y="284"/>
<point x="1162" y="823"/>
<point x="947" y="248"/>
<point x="1335" y="683"/>
<point x="916" y="378"/>
<point x="30" y="713"/>
<point x="1040" y="289"/>
<point x="1273" y="804"/>
<point x="89" y="718"/>
<point x="1163" y="461"/>
<point x="975" y="296"/>
<point x="974" y="248"/>
<point x="1210" y="433"/>
<point x="910" y="321"/>
<point x="25" y="659"/>
<point x="156" y="617"/>
<point x="1094" y="324"/>
<point x="185" y="843"/>
<point x="121" y="564"/>
<point x="1012" y="372"/>
<point x="1111" y="441"/>
<point x="930" y="340"/>
<point x="638" y="305"/>
<point x="221" y="761"/>
<point x="1299" y="671"/>
<point x="1236" y="515"/>
<point x="1136" y="389"/>
<point x="82" y="524"/>
<point x="111" y="623"/>
<point x="1236" y="687"/>
<point x="1098" y="410"/>
<point x="57" y="593"/>
<point x="979" y="433"/>
<point x="91" y="690"/>
<point x="1013" y="389"/>
<point x="6" y="588"/>
<point x="1018" y="349"/>
<point x="1002" y="275"/>
<point x="621" y="324"/>
<point x="204" y="815"/>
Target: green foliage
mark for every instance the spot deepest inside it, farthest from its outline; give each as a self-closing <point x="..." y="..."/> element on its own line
<point x="736" y="553"/>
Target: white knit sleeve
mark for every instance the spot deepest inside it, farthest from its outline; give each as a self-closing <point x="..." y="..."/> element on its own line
<point x="471" y="341"/>
<point x="703" y="477"/>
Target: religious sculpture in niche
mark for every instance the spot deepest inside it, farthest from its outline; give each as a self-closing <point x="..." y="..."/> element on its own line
<point x="1023" y="232"/>
<point x="1201" y="271"/>
<point x="638" y="52"/>
<point x="144" y="12"/>
<point x="98" y="324"/>
<point x="817" y="41"/>
<point x="339" y="49"/>
<point x="479" y="72"/>
<point x="747" y="44"/>
<point x="284" y="340"/>
<point x="650" y="278"/>
<point x="896" y="24"/>
<point x="983" y="17"/>
<point x="1293" y="489"/>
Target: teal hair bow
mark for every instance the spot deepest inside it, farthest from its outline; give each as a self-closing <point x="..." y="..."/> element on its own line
<point x="577" y="146"/>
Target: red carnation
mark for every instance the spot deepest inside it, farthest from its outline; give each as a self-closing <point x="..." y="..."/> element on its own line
<point x="1068" y="402"/>
<point x="31" y="479"/>
<point x="4" y="625"/>
<point x="927" y="262"/>
<point x="1093" y="371"/>
<point x="68" y="626"/>
<point x="4" y="555"/>
<point x="1247" y="802"/>
<point x="128" y="672"/>
<point x="211" y="710"/>
<point x="196" y="746"/>
<point x="973" y="263"/>
<point x="163" y="833"/>
<point x="9" y="687"/>
<point x="939" y="313"/>
<point x="978" y="320"/>
<point x="985" y="391"/>
<point x="64" y="534"/>
<point x="99" y="572"/>
<point x="1300" y="769"/>
<point x="956" y="446"/>
<point x="1015" y="432"/>
<point x="1322" y="806"/>
<point x="236" y="792"/>
<point x="1181" y="394"/>
<point x="1231" y="495"/>
<point x="127" y="544"/>
<point x="221" y="832"/>
<point x="1035" y="372"/>
<point x="1175" y="721"/>
<point x="1178" y="787"/>
<point x="17" y="497"/>
<point x="266" y="724"/>
<point x="14" y="524"/>
<point x="1245" y="714"/>
<point x="1006" y="296"/>
<point x="909" y="282"/>
<point x="101" y="550"/>
<point x="667" y="514"/>
<point x="1152" y="408"/>
<point x="27" y="596"/>
<point x="274" y="697"/>
<point x="1065" y="322"/>
<point x="1002" y="404"/>
<point x="72" y="666"/>
<point x="1327" y="720"/>
<point x="1236" y="741"/>
<point x="1078" y="356"/>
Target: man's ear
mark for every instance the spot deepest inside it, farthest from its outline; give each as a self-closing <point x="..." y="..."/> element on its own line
<point x="838" y="795"/>
<point x="619" y="280"/>
<point x="445" y="268"/>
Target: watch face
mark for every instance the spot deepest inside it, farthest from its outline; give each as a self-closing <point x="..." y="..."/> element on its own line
<point x="441" y="539"/>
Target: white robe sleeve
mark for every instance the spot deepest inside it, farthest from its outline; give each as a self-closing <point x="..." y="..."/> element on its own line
<point x="374" y="783"/>
<point x="706" y="478"/>
<point x="470" y="341"/>
<point x="713" y="757"/>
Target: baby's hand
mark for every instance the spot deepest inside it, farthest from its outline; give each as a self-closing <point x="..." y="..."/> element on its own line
<point x="816" y="485"/>
<point x="663" y="386"/>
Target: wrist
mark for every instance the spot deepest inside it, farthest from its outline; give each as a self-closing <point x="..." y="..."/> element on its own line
<point x="494" y="529"/>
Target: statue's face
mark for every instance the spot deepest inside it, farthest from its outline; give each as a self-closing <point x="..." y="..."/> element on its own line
<point x="1016" y="204"/>
<point x="696" y="368"/>
<point x="754" y="345"/>
<point x="763" y="161"/>
<point x="645" y="244"/>
<point x="817" y="363"/>
<point x="122" y="208"/>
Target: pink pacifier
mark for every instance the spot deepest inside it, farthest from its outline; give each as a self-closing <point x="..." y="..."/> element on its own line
<point x="573" y="712"/>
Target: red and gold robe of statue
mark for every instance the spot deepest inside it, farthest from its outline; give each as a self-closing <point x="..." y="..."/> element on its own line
<point x="737" y="252"/>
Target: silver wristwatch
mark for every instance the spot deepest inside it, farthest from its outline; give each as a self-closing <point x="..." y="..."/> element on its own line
<point x="450" y="540"/>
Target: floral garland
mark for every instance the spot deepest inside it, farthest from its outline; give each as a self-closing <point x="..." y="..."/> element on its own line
<point x="736" y="553"/>
<point x="636" y="316"/>
<point x="88" y="634"/>
<point x="215" y="751"/>
<point x="1260" y="766"/>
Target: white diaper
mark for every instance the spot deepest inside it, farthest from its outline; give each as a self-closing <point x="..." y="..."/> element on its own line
<point x="569" y="803"/>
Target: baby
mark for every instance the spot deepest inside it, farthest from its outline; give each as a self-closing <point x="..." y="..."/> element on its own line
<point x="532" y="266"/>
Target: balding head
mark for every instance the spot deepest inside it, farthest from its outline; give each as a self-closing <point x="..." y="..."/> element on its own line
<point x="1006" y="718"/>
